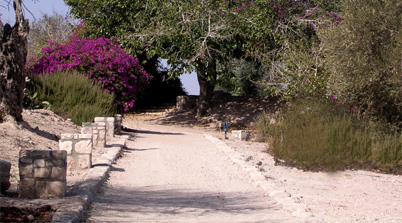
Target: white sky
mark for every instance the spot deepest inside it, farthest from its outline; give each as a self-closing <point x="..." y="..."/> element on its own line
<point x="39" y="7"/>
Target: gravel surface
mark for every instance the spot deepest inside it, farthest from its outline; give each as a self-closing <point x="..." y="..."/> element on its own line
<point x="170" y="175"/>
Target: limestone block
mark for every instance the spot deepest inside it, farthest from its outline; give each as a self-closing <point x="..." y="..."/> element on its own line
<point x="118" y="121"/>
<point x="83" y="146"/>
<point x="40" y="189"/>
<point x="59" y="155"/>
<point x="26" y="170"/>
<point x="56" y="163"/>
<point x="26" y="188"/>
<point x="55" y="189"/>
<point x="84" y="161"/>
<point x="67" y="136"/>
<point x="4" y="175"/>
<point x="41" y="172"/>
<point x="241" y="134"/>
<point x="86" y="128"/>
<point x="39" y="163"/>
<point x="66" y="146"/>
<point x="58" y="173"/>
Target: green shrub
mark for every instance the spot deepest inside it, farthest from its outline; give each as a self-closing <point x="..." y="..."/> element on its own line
<point x="73" y="95"/>
<point x="315" y="134"/>
<point x="364" y="56"/>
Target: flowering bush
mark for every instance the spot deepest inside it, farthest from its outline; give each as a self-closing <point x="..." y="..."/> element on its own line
<point x="101" y="59"/>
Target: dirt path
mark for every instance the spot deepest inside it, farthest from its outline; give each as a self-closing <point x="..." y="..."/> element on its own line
<point x="168" y="175"/>
<point x="176" y="174"/>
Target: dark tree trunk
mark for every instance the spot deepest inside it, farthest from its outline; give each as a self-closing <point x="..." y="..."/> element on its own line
<point x="12" y="65"/>
<point x="206" y="75"/>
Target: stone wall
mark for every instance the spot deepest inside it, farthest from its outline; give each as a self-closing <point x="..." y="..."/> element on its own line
<point x="42" y="174"/>
<point x="79" y="150"/>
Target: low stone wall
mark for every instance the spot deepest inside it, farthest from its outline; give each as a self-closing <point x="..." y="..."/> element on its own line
<point x="242" y="135"/>
<point x="5" y="168"/>
<point x="79" y="150"/>
<point x="42" y="174"/>
<point x="110" y="124"/>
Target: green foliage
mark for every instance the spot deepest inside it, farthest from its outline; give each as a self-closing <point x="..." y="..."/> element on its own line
<point x="364" y="57"/>
<point x="315" y="134"/>
<point x="73" y="95"/>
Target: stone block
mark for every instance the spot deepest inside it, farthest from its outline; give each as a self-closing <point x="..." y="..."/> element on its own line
<point x="83" y="146"/>
<point x="55" y="189"/>
<point x="241" y="134"/>
<point x="86" y="128"/>
<point x="58" y="173"/>
<point x="59" y="154"/>
<point x="66" y="146"/>
<point x="56" y="163"/>
<point x="26" y="170"/>
<point x="41" y="172"/>
<point x="40" y="189"/>
<point x="5" y="167"/>
<point x="39" y="163"/>
<point x="26" y="188"/>
<point x="38" y="154"/>
<point x="84" y="161"/>
<point x="26" y="160"/>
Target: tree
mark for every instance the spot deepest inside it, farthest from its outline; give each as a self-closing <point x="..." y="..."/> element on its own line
<point x="192" y="35"/>
<point x="197" y="35"/>
<point x="12" y="65"/>
<point x="364" y="55"/>
<point x="55" y="28"/>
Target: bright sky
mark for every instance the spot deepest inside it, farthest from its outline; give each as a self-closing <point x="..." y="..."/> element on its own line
<point x="39" y="7"/>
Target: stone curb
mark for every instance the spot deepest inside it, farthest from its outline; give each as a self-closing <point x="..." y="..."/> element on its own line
<point x="79" y="199"/>
<point x="270" y="189"/>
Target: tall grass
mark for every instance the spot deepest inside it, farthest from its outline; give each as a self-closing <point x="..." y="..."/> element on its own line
<point x="321" y="135"/>
<point x="72" y="95"/>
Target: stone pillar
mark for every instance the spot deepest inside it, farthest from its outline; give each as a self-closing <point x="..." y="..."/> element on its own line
<point x="79" y="150"/>
<point x="99" y="134"/>
<point x="86" y="128"/>
<point x="118" y="121"/>
<point x="5" y="168"/>
<point x="110" y="122"/>
<point x="42" y="174"/>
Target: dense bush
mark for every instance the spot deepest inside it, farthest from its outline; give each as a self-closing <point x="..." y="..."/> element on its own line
<point x="330" y="135"/>
<point x="101" y="60"/>
<point x="364" y="56"/>
<point x="73" y="95"/>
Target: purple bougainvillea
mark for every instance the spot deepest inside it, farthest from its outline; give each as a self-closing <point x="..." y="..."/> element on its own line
<point x="100" y="59"/>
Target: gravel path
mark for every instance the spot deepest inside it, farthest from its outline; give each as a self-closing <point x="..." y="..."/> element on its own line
<point x="168" y="176"/>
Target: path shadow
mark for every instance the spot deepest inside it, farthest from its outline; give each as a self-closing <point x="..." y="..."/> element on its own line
<point x="39" y="132"/>
<point x="150" y="132"/>
<point x="169" y="202"/>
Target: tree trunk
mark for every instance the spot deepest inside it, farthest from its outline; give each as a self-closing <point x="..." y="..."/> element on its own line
<point x="206" y="75"/>
<point x="12" y="65"/>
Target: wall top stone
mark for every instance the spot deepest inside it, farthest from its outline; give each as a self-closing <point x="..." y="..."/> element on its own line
<point x="41" y="154"/>
<point x="104" y="119"/>
<point x="75" y="136"/>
